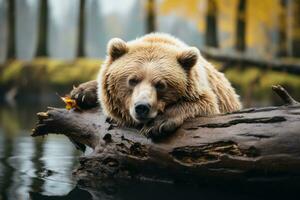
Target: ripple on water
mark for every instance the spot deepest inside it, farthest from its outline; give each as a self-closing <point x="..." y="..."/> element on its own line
<point x="43" y="166"/>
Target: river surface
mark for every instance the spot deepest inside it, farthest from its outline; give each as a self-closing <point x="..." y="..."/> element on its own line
<point x="42" y="165"/>
<point x="41" y="168"/>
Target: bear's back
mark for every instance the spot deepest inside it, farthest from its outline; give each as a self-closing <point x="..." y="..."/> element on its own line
<point x="162" y="38"/>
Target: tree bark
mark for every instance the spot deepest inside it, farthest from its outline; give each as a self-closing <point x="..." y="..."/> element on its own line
<point x="42" y="47"/>
<point x="151" y="16"/>
<point x="211" y="32"/>
<point x="11" y="51"/>
<point x="294" y="28"/>
<point x="81" y="29"/>
<point x="241" y="26"/>
<point x="282" y="29"/>
<point x="256" y="144"/>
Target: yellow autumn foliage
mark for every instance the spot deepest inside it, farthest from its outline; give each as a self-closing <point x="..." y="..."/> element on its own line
<point x="264" y="20"/>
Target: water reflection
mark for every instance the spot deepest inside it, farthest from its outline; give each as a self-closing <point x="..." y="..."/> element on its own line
<point x="149" y="191"/>
<point x="61" y="161"/>
<point x="38" y="165"/>
<point x="75" y="194"/>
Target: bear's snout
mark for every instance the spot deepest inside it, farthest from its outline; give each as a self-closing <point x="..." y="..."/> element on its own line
<point x="142" y="110"/>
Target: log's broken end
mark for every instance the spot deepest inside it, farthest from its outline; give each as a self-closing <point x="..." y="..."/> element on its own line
<point x="41" y="126"/>
<point x="82" y="128"/>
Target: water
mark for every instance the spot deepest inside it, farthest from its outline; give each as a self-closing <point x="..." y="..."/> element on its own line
<point x="41" y="168"/>
<point x="27" y="164"/>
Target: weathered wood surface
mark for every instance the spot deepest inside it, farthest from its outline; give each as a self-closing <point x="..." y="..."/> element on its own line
<point x="256" y="144"/>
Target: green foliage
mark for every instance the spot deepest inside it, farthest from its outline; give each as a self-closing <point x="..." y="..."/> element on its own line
<point x="8" y="122"/>
<point x="254" y="84"/>
<point x="43" y="72"/>
<point x="11" y="71"/>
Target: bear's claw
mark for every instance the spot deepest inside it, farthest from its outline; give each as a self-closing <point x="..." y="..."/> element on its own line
<point x="85" y="95"/>
<point x="168" y="127"/>
<point x="159" y="129"/>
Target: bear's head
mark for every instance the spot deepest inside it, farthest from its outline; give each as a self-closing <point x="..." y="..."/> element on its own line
<point x="141" y="79"/>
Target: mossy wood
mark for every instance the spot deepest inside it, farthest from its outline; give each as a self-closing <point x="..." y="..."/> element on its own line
<point x="256" y="144"/>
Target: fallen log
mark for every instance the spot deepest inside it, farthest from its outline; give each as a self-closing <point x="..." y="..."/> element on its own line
<point x="256" y="144"/>
<point x="242" y="59"/>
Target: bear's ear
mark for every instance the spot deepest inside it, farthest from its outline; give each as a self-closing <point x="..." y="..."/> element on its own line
<point x="116" y="48"/>
<point x="188" y="58"/>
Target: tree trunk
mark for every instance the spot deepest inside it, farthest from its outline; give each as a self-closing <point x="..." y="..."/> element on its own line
<point x="241" y="26"/>
<point x="81" y="29"/>
<point x="294" y="28"/>
<point x="256" y="144"/>
<point x="11" y="51"/>
<point x="211" y="32"/>
<point x="282" y="30"/>
<point x="151" y="16"/>
<point x="42" y="29"/>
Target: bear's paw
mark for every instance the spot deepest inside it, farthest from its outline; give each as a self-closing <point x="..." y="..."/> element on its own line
<point x="85" y="95"/>
<point x="160" y="128"/>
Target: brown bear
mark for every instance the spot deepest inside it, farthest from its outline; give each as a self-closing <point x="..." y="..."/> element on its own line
<point x="157" y="82"/>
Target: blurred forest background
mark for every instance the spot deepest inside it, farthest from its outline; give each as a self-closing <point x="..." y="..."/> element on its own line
<point x="59" y="43"/>
<point x="47" y="46"/>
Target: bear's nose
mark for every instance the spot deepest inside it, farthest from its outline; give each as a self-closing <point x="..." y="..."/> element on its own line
<point x="142" y="109"/>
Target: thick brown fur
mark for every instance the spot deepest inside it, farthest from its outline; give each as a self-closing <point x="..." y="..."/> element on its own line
<point x="194" y="86"/>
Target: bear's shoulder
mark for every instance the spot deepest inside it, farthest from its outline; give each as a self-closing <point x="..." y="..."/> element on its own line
<point x="161" y="38"/>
